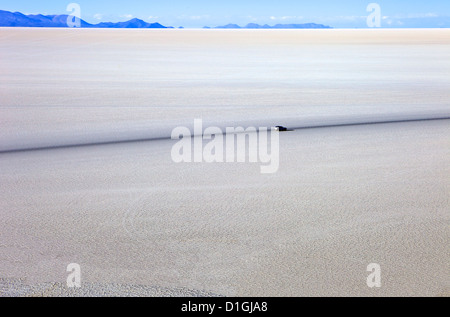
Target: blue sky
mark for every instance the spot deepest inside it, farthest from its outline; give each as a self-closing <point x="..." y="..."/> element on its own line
<point x="199" y="13"/>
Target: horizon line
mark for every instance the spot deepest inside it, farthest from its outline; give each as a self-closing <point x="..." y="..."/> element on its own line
<point x="244" y="26"/>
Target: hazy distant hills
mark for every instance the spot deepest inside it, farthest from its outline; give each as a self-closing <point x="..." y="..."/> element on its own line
<point x="17" y="19"/>
<point x="277" y="26"/>
<point x="133" y="24"/>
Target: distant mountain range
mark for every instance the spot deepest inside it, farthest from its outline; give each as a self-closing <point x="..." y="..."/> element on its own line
<point x="277" y="26"/>
<point x="17" y="19"/>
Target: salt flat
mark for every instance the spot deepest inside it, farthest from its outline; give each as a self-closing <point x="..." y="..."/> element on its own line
<point x="343" y="198"/>
<point x="140" y="224"/>
<point x="64" y="86"/>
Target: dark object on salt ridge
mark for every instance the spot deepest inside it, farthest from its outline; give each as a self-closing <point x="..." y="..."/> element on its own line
<point x="281" y="129"/>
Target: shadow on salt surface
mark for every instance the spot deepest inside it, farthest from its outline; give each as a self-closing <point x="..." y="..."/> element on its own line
<point x="130" y="135"/>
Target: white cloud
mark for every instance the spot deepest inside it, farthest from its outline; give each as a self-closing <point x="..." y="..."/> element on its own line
<point x="98" y="16"/>
<point x="285" y="18"/>
<point x="199" y="17"/>
<point x="422" y="15"/>
<point x="416" y="16"/>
